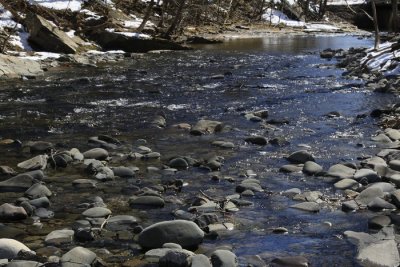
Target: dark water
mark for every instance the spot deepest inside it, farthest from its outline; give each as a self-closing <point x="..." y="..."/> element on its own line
<point x="281" y="74"/>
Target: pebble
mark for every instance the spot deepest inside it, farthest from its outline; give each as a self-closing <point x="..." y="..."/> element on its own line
<point x="36" y="163"/>
<point x="96" y="153"/>
<point x="257" y="140"/>
<point x="341" y="171"/>
<point x="346" y="184"/>
<point x="38" y="190"/>
<point x="312" y="168"/>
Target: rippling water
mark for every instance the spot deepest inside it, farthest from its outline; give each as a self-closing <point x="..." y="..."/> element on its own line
<point x="283" y="75"/>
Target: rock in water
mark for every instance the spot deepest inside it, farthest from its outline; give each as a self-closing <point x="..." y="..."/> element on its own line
<point x="37" y="163"/>
<point x="9" y="248"/>
<point x="184" y="233"/>
<point x="206" y="127"/>
<point x="96" y="153"/>
<point x="224" y="258"/>
<point x="19" y="183"/>
<point x="11" y="212"/>
<point x="59" y="237"/>
<point x="301" y="156"/>
<point x="78" y="256"/>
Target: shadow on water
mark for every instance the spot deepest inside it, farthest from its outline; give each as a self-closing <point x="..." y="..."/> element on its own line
<point x="281" y="74"/>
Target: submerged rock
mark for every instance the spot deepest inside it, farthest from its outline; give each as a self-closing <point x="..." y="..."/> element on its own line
<point x="184" y="233"/>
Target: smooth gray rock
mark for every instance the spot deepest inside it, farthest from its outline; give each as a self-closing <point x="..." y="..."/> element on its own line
<point x="96" y="153"/>
<point x="11" y="212"/>
<point x="346" y="184"/>
<point x="385" y="187"/>
<point x="394" y="165"/>
<point x="9" y="248"/>
<point x="307" y="206"/>
<point x="22" y="263"/>
<point x="301" y="156"/>
<point x="178" y="163"/>
<point x="312" y="168"/>
<point x="36" y="163"/>
<point x="104" y="174"/>
<point x="84" y="183"/>
<point x="42" y="202"/>
<point x="378" y="222"/>
<point x="395" y="195"/>
<point x="393" y="134"/>
<point x="16" y="67"/>
<point x="44" y="213"/>
<point x="383" y="253"/>
<point x="121" y="223"/>
<point x="154" y="255"/>
<point x="123" y="172"/>
<point x="184" y="233"/>
<point x="146" y="202"/>
<point x="19" y="183"/>
<point x="200" y="260"/>
<point x="368" y="174"/>
<point x="374" y="162"/>
<point x="206" y="127"/>
<point x="341" y="171"/>
<point x="291" y="261"/>
<point x="59" y="237"/>
<point x="257" y="140"/>
<point x="78" y="256"/>
<point x="350" y="205"/>
<point x="291" y="168"/>
<point x="175" y="258"/>
<point x="224" y="258"/>
<point x="223" y="144"/>
<point x="97" y="212"/>
<point x="379" y="204"/>
<point x="381" y="138"/>
<point x="369" y="194"/>
<point x="38" y="190"/>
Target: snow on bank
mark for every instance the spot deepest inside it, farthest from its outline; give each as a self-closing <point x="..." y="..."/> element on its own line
<point x="73" y="5"/>
<point x="20" y="37"/>
<point x="345" y="2"/>
<point x="384" y="59"/>
<point x="276" y="17"/>
<point x="131" y="34"/>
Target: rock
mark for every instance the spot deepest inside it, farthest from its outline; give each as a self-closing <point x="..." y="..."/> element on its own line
<point x="121" y="223"/>
<point x="123" y="172"/>
<point x="257" y="140"/>
<point x="175" y="258"/>
<point x="37" y="163"/>
<point x="249" y="184"/>
<point x="16" y="67"/>
<point x="78" y="256"/>
<point x="279" y="141"/>
<point x="385" y="187"/>
<point x="350" y="205"/>
<point x="159" y="121"/>
<point x="395" y="195"/>
<point x="379" y="204"/>
<point x="223" y="144"/>
<point x="312" y="168"/>
<point x="9" y="248"/>
<point x="301" y="156"/>
<point x="368" y="174"/>
<point x="378" y="222"/>
<point x="104" y="174"/>
<point x="368" y="195"/>
<point x="146" y="202"/>
<point x="172" y="245"/>
<point x="19" y="183"/>
<point x="394" y="165"/>
<point x="294" y="261"/>
<point x="184" y="233"/>
<point x="24" y="263"/>
<point x="393" y="134"/>
<point x="155" y="255"/>
<point x="178" y="163"/>
<point x="382" y="253"/>
<point x="59" y="237"/>
<point x="346" y="184"/>
<point x="200" y="260"/>
<point x="44" y="213"/>
<point x="37" y="191"/>
<point x="291" y="168"/>
<point x="40" y="147"/>
<point x="11" y="212"/>
<point x="7" y="171"/>
<point x="381" y="138"/>
<point x="76" y="154"/>
<point x="48" y="36"/>
<point x="96" y="153"/>
<point x="206" y="127"/>
<point x="96" y="212"/>
<point x="374" y="162"/>
<point x="42" y="202"/>
<point x="84" y="183"/>
<point x="109" y="139"/>
<point x="307" y="206"/>
<point x="341" y="171"/>
<point x="223" y="258"/>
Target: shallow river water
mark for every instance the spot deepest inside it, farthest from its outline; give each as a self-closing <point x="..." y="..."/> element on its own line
<point x="284" y="75"/>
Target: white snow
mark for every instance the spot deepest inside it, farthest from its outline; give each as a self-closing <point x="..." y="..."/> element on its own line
<point x="135" y="22"/>
<point x="73" y="5"/>
<point x="383" y="59"/>
<point x="90" y="15"/>
<point x="20" y="38"/>
<point x="345" y="2"/>
<point x="276" y="17"/>
<point x="40" y="56"/>
<point x="6" y="18"/>
<point x="95" y="52"/>
<point x="131" y="34"/>
<point x="320" y="27"/>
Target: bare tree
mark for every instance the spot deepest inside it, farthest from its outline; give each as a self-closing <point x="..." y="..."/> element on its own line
<point x="376" y="27"/>
<point x="178" y="16"/>
<point x="393" y="20"/>
<point x="146" y="16"/>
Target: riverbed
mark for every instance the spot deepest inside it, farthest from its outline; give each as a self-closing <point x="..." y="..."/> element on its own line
<point x="284" y="75"/>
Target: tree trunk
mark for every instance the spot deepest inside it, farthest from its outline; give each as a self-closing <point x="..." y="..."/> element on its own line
<point x="393" y="21"/>
<point x="322" y="8"/>
<point x="376" y="27"/>
<point x="176" y="21"/>
<point x="146" y="16"/>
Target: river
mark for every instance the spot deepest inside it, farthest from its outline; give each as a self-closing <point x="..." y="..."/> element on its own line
<point x="283" y="75"/>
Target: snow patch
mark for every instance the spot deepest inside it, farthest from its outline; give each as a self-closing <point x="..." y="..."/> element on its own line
<point x="37" y="56"/>
<point x="276" y="17"/>
<point x="73" y="5"/>
<point x="135" y="35"/>
<point x="345" y="2"/>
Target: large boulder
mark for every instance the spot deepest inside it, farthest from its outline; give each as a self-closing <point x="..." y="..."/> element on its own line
<point x="49" y="37"/>
<point x="9" y="248"/>
<point x="14" y="67"/>
<point x="184" y="233"/>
